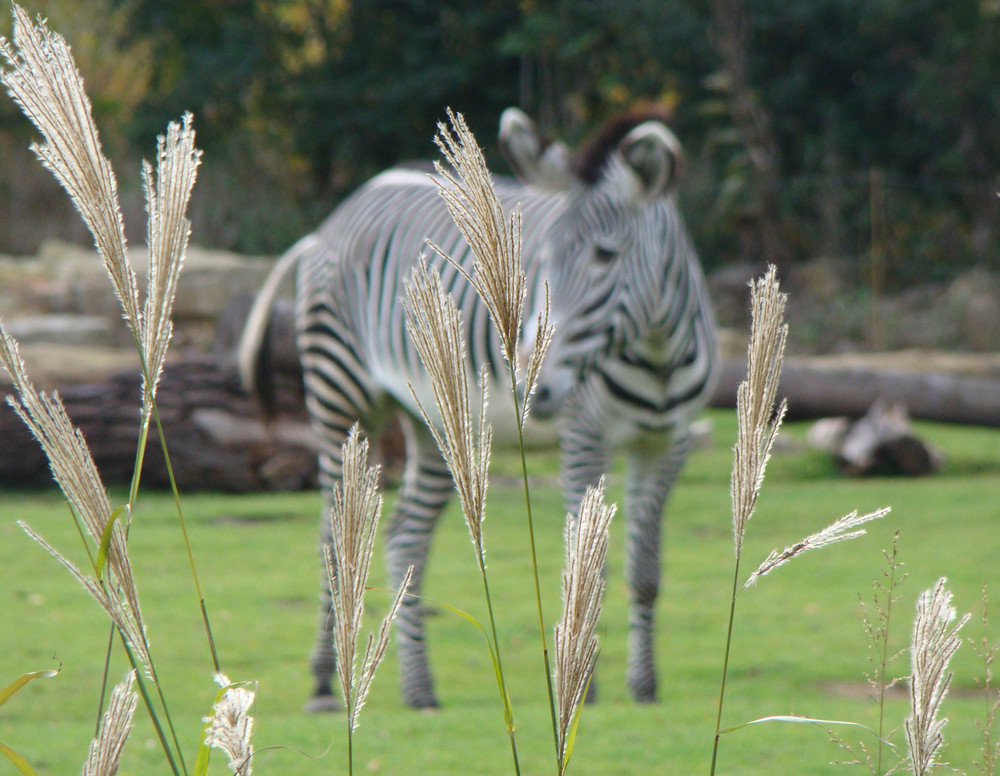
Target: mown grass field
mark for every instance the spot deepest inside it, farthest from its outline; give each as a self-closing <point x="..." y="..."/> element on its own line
<point x="799" y="646"/>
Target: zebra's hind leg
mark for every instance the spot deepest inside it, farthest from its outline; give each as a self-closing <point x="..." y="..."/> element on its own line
<point x="337" y="396"/>
<point x="427" y="487"/>
<point x="651" y="474"/>
<point x="323" y="660"/>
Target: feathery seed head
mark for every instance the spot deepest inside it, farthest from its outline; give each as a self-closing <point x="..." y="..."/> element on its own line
<point x="76" y="473"/>
<point x="168" y="191"/>
<point x="357" y="506"/>
<point x="586" y="539"/>
<point x="935" y="641"/>
<point x="758" y="421"/>
<point x="435" y="327"/>
<point x="468" y="192"/>
<point x="231" y="726"/>
<point x="44" y="81"/>
<point x="838" y="531"/>
<point x="116" y="725"/>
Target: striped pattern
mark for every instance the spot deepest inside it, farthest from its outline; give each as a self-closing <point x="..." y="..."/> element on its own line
<point x="631" y="364"/>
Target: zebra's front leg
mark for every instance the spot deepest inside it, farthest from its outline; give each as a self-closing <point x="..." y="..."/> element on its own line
<point x="585" y="459"/>
<point x="652" y="470"/>
<point x="427" y="487"/>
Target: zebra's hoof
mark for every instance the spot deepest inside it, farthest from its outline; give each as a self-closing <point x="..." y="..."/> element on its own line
<point x="644" y="694"/>
<point x="422" y="703"/>
<point x="323" y="704"/>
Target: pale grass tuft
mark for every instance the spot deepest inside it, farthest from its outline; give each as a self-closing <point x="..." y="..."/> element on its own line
<point x="357" y="506"/>
<point x="230" y="728"/>
<point x="44" y="82"/>
<point x="116" y="725"/>
<point x="376" y="648"/>
<point x="758" y="421"/>
<point x="497" y="275"/>
<point x="435" y="327"/>
<point x="74" y="469"/>
<point x="838" y="531"/>
<point x="576" y="639"/>
<point x="935" y="641"/>
<point x="543" y="339"/>
<point x="168" y="190"/>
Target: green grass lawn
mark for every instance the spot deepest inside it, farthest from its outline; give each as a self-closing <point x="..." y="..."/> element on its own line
<point x="799" y="646"/>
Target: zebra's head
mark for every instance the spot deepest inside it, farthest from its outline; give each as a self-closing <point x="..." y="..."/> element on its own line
<point x="608" y="253"/>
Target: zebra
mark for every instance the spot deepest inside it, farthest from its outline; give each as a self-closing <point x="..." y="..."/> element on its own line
<point x="632" y="362"/>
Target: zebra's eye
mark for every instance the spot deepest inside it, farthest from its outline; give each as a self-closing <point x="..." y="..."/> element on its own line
<point x="604" y="255"/>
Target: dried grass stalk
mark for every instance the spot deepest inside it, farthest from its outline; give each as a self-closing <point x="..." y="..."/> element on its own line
<point x="497" y="275"/>
<point x="935" y="641"/>
<point x="168" y="191"/>
<point x="230" y="728"/>
<point x="838" y="531"/>
<point x="74" y="469"/>
<point x="576" y="641"/>
<point x="758" y="421"/>
<point x="357" y="506"/>
<point x="44" y="82"/>
<point x="435" y="327"/>
<point x="116" y="725"/>
<point x="112" y="599"/>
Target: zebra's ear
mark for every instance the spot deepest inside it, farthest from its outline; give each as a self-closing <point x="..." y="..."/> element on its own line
<point x="654" y="154"/>
<point x="534" y="161"/>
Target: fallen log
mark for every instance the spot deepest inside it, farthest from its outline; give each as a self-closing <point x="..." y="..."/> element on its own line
<point x="215" y="436"/>
<point x="820" y="391"/>
<point x="882" y="442"/>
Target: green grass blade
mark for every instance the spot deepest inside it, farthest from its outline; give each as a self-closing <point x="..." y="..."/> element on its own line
<point x="17" y="684"/>
<point x="19" y="762"/>
<point x="507" y="706"/>
<point x="571" y="733"/>
<point x="102" y="553"/>
<point x="204" y="750"/>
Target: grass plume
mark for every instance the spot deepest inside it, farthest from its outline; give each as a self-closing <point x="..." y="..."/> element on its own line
<point x="44" y="81"/>
<point x="575" y="640"/>
<point x="759" y="418"/>
<point x="935" y="641"/>
<point x="354" y="517"/>
<point x="839" y="530"/>
<point x="499" y="279"/>
<point x="168" y="191"/>
<point x="435" y="327"/>
<point x="116" y="725"/>
<point x="467" y="189"/>
<point x="230" y="728"/>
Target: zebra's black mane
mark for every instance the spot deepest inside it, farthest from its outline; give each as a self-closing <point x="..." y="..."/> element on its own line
<point x="590" y="161"/>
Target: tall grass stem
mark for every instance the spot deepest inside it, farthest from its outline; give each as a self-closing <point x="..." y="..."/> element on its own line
<point x="534" y="567"/>
<point x="725" y="666"/>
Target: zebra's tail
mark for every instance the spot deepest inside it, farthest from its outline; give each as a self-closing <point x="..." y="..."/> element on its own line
<point x="253" y="355"/>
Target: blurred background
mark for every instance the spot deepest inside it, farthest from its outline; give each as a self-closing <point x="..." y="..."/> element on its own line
<point x="856" y="143"/>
